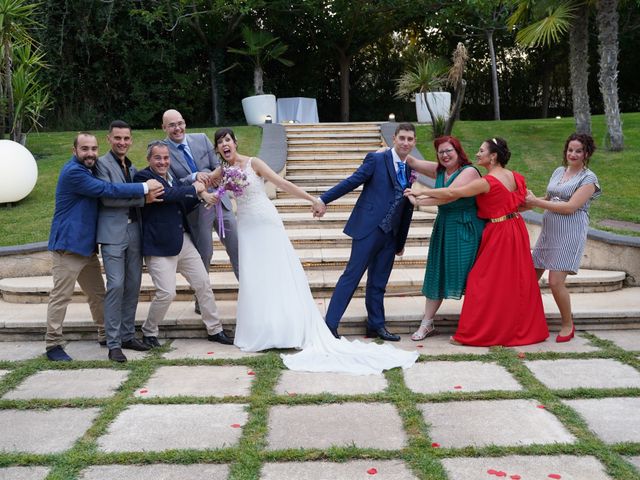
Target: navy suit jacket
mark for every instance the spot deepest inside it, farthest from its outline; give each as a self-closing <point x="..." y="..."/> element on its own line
<point x="380" y="189"/>
<point x="73" y="228"/>
<point x="164" y="223"/>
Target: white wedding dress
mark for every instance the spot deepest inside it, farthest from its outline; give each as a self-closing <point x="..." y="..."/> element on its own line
<point x="275" y="306"/>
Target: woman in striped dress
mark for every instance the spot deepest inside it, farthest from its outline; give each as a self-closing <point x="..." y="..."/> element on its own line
<point x="565" y="223"/>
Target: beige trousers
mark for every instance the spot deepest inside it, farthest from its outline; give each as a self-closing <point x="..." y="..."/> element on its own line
<point x="163" y="273"/>
<point x="67" y="269"/>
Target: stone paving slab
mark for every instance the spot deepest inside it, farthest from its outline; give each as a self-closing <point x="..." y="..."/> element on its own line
<point x="614" y="420"/>
<point x="166" y="427"/>
<point x="24" y="473"/>
<point x="584" y="373"/>
<point x="346" y="424"/>
<point x="626" y="339"/>
<point x="309" y="383"/>
<point x="155" y="472"/>
<point x="635" y="461"/>
<point x="203" y="349"/>
<point x="92" y="350"/>
<point x="568" y="467"/>
<point x="37" y="431"/>
<point x="3" y="373"/>
<point x="468" y="376"/>
<point x="352" y="470"/>
<point x="16" y="351"/>
<point x="197" y="381"/>
<point x="59" y="384"/>
<point x="577" y="345"/>
<point x="492" y="422"/>
<point x="436" y="345"/>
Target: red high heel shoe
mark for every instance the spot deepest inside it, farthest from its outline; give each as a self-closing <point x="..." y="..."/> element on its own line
<point x="566" y="338"/>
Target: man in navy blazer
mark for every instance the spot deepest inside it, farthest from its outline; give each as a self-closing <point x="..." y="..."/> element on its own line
<point x="72" y="240"/>
<point x="193" y="157"/>
<point x="378" y="226"/>
<point x="168" y="248"/>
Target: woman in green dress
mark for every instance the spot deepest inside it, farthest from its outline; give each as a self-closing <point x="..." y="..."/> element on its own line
<point x="456" y="232"/>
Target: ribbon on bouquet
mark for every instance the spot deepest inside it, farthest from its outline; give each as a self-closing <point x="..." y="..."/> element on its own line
<point x="220" y="219"/>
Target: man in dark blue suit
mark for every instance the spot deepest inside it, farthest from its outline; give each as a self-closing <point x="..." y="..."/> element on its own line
<point x="378" y="227"/>
<point x="168" y="247"/>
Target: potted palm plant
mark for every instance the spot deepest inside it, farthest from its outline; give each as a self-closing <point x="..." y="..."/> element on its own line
<point x="425" y="80"/>
<point x="261" y="48"/>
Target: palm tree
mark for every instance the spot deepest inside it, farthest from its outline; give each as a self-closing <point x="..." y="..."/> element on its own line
<point x="554" y="19"/>
<point x="427" y="75"/>
<point x="261" y="47"/>
<point x="15" y="20"/>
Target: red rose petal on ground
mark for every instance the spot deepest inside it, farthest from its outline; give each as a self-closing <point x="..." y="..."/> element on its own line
<point x="458" y="387"/>
<point x="435" y="445"/>
<point x="251" y="372"/>
<point x="540" y="406"/>
<point x="209" y="353"/>
<point x="515" y="477"/>
<point x="372" y="471"/>
<point x="144" y="390"/>
<point x="501" y="474"/>
<point x="492" y="471"/>
<point x="235" y="425"/>
<point x="555" y="475"/>
<point x="521" y="355"/>
<point x="419" y="346"/>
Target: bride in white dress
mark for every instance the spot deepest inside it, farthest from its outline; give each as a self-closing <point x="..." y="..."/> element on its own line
<point x="275" y="305"/>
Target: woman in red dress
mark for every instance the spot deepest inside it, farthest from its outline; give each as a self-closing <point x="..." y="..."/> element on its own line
<point x="502" y="304"/>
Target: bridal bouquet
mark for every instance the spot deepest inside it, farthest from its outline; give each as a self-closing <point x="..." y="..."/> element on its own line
<point x="234" y="180"/>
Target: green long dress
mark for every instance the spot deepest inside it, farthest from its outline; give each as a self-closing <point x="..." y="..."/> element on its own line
<point x="453" y="246"/>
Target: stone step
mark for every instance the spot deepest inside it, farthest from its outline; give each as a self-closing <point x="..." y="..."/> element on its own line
<point x="294" y="204"/>
<point x="331" y="127"/>
<point x="335" y="158"/>
<point x="319" y="169"/>
<point x="338" y="219"/>
<point x="336" y="135"/>
<point x="591" y="311"/>
<point x="317" y="191"/>
<point x="319" y="143"/>
<point x="325" y="178"/>
<point x="335" y="149"/>
<point x="403" y="282"/>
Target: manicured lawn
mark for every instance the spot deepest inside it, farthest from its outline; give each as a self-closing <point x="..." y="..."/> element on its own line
<point x="536" y="147"/>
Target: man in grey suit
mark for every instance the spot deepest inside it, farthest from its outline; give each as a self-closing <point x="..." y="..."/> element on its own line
<point x="192" y="157"/>
<point x="119" y="235"/>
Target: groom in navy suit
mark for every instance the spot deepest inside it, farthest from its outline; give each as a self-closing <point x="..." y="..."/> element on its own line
<point x="378" y="227"/>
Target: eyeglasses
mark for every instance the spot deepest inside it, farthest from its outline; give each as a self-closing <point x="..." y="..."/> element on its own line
<point x="176" y="124"/>
<point x="448" y="151"/>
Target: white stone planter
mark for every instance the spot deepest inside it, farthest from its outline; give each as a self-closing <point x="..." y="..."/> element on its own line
<point x="18" y="172"/>
<point x="440" y="103"/>
<point x="257" y="108"/>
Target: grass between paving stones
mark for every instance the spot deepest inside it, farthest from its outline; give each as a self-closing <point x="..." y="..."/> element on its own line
<point x="247" y="457"/>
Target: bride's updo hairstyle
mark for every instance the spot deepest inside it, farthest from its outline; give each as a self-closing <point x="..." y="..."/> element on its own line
<point x="499" y="146"/>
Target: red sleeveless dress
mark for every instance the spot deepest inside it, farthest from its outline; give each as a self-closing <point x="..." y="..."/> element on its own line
<point x="502" y="304"/>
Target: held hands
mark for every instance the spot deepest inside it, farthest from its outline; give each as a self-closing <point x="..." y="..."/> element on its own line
<point x="199" y="186"/>
<point x="209" y="198"/>
<point x="156" y="189"/>
<point x="203" y="177"/>
<point x="530" y="199"/>
<point x="318" y="208"/>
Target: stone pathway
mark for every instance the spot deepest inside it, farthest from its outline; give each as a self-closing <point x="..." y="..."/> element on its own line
<point x="196" y="409"/>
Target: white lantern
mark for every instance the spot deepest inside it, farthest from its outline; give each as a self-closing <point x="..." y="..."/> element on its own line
<point x="18" y="171"/>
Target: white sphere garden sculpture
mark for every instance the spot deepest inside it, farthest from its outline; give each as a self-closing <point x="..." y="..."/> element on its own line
<point x="18" y="171"/>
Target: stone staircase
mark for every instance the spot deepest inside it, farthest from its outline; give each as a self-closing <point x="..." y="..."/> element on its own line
<point x="319" y="156"/>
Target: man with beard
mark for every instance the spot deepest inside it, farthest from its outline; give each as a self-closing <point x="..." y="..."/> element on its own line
<point x="72" y="240"/>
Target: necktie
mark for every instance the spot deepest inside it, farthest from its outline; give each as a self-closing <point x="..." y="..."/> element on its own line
<point x="401" y="175"/>
<point x="192" y="165"/>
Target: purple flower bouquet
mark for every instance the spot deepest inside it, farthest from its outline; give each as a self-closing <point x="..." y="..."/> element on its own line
<point x="234" y="180"/>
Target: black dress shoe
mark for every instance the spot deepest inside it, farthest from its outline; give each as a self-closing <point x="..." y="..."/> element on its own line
<point x="384" y="334"/>
<point x="135" y="344"/>
<point x="220" y="337"/>
<point x="116" y="355"/>
<point x="334" y="332"/>
<point x="151" y="342"/>
<point x="102" y="343"/>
